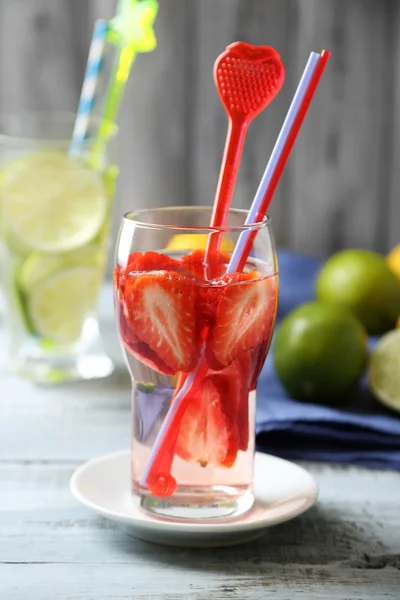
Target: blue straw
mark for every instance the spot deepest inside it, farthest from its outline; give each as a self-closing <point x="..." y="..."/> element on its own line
<point x="88" y="94"/>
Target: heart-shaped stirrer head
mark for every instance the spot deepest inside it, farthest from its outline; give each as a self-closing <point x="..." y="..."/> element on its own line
<point x="248" y="78"/>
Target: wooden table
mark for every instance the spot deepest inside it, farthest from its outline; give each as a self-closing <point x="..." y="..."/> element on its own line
<point x="51" y="548"/>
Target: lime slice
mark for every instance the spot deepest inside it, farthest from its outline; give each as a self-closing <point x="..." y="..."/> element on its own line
<point x="17" y="316"/>
<point x="384" y="370"/>
<point x="59" y="305"/>
<point x="38" y="267"/>
<point x="52" y="202"/>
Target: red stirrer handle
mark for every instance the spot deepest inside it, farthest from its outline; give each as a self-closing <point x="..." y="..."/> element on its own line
<point x="319" y="69"/>
<point x="226" y="183"/>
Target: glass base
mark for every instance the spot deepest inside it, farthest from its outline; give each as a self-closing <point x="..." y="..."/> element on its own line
<point x="63" y="369"/>
<point x="222" y="502"/>
<point x="47" y="362"/>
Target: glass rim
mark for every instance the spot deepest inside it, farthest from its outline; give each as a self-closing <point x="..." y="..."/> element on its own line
<point x="131" y="217"/>
<point x="57" y="117"/>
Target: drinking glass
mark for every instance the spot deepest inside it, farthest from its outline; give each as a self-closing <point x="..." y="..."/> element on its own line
<point x="55" y="213"/>
<point x="183" y="321"/>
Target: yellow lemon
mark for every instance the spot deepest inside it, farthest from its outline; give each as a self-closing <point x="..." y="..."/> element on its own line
<point x="393" y="260"/>
<point x="196" y="241"/>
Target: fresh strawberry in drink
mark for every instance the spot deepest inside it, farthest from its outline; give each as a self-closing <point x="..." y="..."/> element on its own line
<point x="161" y="310"/>
<point x="151" y="261"/>
<point x="210" y="294"/>
<point x="260" y="353"/>
<point x="208" y="435"/>
<point x="238" y="379"/>
<point x="196" y="264"/>
<point x="243" y="402"/>
<point x="142" y="351"/>
<point x="242" y="318"/>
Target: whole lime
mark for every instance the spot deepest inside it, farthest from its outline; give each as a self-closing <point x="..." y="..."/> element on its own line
<point x="361" y="281"/>
<point x="320" y="352"/>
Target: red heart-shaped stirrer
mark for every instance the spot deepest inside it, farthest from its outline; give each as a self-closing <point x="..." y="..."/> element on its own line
<point x="247" y="78"/>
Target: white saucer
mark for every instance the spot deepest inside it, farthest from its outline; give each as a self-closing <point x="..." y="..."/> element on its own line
<point x="283" y="491"/>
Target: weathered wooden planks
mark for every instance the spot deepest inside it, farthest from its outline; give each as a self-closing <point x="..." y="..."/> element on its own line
<point x="347" y="547"/>
<point x="51" y="547"/>
<point x="341" y="185"/>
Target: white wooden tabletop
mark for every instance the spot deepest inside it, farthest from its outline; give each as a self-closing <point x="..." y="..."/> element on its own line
<point x="51" y="548"/>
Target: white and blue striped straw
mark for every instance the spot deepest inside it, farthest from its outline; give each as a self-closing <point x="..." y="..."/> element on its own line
<point x="274" y="158"/>
<point x="88" y="94"/>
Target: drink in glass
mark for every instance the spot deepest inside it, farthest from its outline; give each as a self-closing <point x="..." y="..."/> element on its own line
<point x="180" y="315"/>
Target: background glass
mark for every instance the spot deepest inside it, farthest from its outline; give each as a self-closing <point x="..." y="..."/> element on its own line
<point x="55" y="213"/>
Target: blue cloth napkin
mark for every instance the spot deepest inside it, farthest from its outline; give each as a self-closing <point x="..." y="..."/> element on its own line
<point x="364" y="433"/>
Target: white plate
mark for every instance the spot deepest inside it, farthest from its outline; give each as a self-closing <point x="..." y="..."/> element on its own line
<point x="283" y="491"/>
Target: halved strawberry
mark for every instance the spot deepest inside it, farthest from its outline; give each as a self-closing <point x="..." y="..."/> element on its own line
<point x="209" y="294"/>
<point x="118" y="283"/>
<point x="243" y="318"/>
<point x="207" y="434"/>
<point x="161" y="308"/>
<point x="196" y="264"/>
<point x="237" y="384"/>
<point x="142" y="351"/>
<point x="117" y="274"/>
<point x="151" y="261"/>
<point x="243" y="403"/>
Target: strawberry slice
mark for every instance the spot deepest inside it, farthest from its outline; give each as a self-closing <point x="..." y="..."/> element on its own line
<point x="243" y="400"/>
<point x="142" y="351"/>
<point x="196" y="264"/>
<point x="161" y="308"/>
<point x="150" y="261"/>
<point x="118" y="283"/>
<point x="207" y="434"/>
<point x="243" y="318"/>
<point x="131" y="341"/>
<point x="237" y="384"/>
<point x="210" y="293"/>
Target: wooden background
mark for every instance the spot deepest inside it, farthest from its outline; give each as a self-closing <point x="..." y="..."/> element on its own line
<point x="342" y="183"/>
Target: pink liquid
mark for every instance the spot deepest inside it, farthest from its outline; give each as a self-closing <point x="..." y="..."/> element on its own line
<point x="197" y="485"/>
<point x="205" y="487"/>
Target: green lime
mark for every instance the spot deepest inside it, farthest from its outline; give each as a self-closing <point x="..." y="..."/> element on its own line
<point x="38" y="267"/>
<point x="320" y="352"/>
<point x="384" y="370"/>
<point x="15" y="299"/>
<point x="59" y="305"/>
<point x="361" y="281"/>
<point x="51" y="202"/>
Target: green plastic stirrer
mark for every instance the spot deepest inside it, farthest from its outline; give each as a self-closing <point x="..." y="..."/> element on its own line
<point x="131" y="30"/>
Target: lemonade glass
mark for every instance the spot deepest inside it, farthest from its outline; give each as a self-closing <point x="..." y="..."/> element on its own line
<point x="176" y="313"/>
<point x="55" y="213"/>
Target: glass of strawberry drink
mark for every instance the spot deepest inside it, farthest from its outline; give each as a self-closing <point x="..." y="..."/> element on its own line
<point x="182" y="318"/>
